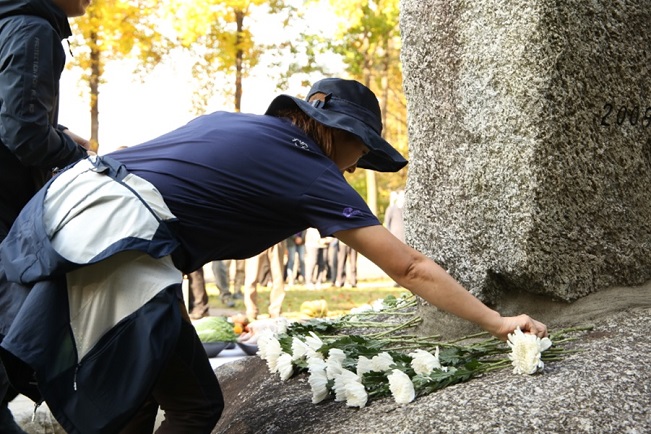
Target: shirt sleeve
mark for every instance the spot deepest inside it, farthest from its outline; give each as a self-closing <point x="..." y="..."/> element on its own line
<point x="29" y="87"/>
<point x="332" y="205"/>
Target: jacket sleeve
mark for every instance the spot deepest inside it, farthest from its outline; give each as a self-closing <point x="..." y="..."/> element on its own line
<point x="30" y="69"/>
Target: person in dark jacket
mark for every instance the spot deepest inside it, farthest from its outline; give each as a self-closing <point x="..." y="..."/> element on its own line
<point x="103" y="248"/>
<point x="32" y="143"/>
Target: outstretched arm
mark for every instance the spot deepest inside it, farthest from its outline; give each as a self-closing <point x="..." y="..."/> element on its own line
<point x="425" y="278"/>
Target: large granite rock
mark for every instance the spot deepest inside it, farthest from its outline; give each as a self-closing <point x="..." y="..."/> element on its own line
<point x="530" y="142"/>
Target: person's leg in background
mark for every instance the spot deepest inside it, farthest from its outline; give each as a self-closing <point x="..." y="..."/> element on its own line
<point x="300" y="250"/>
<point x="221" y="271"/>
<point x="198" y="296"/>
<point x="352" y="267"/>
<point x="264" y="272"/>
<point x="290" y="272"/>
<point x="321" y="266"/>
<point x="276" y="255"/>
<point x="331" y="258"/>
<point x="238" y="281"/>
<point x="342" y="260"/>
<point x="251" y="270"/>
<point x="311" y="265"/>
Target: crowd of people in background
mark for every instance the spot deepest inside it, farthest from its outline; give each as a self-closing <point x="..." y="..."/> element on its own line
<point x="306" y="258"/>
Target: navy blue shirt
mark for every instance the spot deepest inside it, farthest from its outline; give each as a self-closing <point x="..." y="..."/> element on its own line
<point x="239" y="183"/>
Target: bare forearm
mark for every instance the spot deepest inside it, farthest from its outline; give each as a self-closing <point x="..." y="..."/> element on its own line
<point x="426" y="278"/>
<point x="436" y="286"/>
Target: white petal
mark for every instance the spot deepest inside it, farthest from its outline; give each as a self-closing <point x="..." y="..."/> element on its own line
<point x="382" y="362"/>
<point x="401" y="387"/>
<point x="299" y="348"/>
<point x="341" y="380"/>
<point x="544" y="345"/>
<point x="313" y="341"/>
<point x="334" y="361"/>
<point x="319" y="385"/>
<point x="356" y="395"/>
<point x="273" y="351"/>
<point x="284" y="366"/>
<point x="423" y="362"/>
<point x="364" y="365"/>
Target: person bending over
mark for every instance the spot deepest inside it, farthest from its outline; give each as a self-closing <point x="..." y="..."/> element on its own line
<point x="104" y="246"/>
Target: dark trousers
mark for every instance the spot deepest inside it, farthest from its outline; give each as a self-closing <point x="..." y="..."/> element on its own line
<point x="4" y="382"/>
<point x="187" y="391"/>
<point x="346" y="265"/>
<point x="7" y="423"/>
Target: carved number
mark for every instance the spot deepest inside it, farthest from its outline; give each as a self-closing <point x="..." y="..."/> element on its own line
<point x="604" y="119"/>
<point x="623" y="113"/>
<point x="646" y="120"/>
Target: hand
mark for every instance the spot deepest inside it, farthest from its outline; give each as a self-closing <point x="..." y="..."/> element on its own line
<point x="86" y="144"/>
<point x="526" y="323"/>
<point x="255" y="328"/>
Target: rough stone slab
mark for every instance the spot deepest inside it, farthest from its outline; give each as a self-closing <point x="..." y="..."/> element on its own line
<point x="605" y="388"/>
<point x="530" y="143"/>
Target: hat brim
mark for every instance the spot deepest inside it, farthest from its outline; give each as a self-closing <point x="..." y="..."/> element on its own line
<point x="382" y="156"/>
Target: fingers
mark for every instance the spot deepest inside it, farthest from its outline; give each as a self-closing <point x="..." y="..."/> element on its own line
<point x="542" y="329"/>
<point x="534" y="327"/>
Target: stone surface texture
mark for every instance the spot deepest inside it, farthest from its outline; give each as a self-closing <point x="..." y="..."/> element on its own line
<point x="603" y="388"/>
<point x="530" y="143"/>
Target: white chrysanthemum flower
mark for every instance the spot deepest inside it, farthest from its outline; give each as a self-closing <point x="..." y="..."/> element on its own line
<point x="319" y="385"/>
<point x="363" y="365"/>
<point x="341" y="380"/>
<point x="269" y="349"/>
<point x="423" y="362"/>
<point x="281" y="324"/>
<point x="526" y="351"/>
<point x="316" y="364"/>
<point x="382" y="362"/>
<point x="264" y="338"/>
<point x="361" y="309"/>
<point x="378" y="305"/>
<point x="356" y="395"/>
<point x="334" y="362"/>
<point x="266" y="342"/>
<point x="313" y="341"/>
<point x="318" y="379"/>
<point x="401" y="387"/>
<point x="299" y="349"/>
<point x="311" y="354"/>
<point x="284" y="366"/>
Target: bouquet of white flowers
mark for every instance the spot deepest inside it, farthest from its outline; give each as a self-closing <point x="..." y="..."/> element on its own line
<point x="368" y="354"/>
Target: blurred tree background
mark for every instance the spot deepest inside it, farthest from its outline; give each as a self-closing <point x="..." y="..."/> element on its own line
<point x="224" y="41"/>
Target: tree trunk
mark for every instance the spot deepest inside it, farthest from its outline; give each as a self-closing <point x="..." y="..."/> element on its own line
<point x="239" y="20"/>
<point x="95" y="73"/>
<point x="371" y="182"/>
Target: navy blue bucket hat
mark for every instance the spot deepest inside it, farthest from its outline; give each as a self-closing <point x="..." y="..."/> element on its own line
<point x="352" y="107"/>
